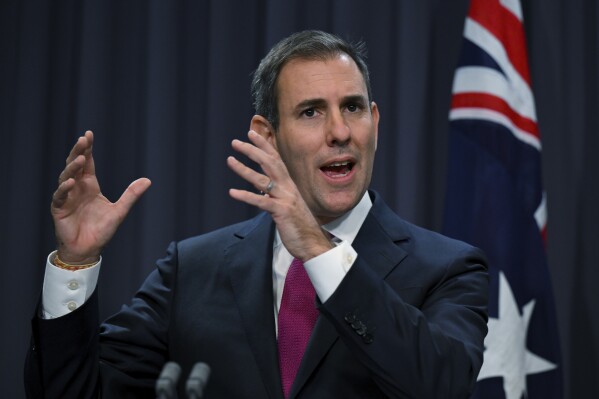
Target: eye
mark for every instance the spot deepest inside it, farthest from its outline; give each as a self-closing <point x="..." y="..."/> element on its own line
<point x="354" y="107"/>
<point x="310" y="112"/>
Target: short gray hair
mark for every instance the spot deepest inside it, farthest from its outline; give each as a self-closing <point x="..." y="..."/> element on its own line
<point x="307" y="45"/>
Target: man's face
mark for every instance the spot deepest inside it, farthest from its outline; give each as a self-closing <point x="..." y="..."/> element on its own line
<point x="327" y="133"/>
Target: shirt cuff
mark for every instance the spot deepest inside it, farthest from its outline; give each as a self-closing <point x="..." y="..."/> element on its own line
<point x="65" y="290"/>
<point x="327" y="270"/>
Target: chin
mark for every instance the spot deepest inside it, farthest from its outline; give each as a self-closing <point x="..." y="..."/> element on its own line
<point x="340" y="203"/>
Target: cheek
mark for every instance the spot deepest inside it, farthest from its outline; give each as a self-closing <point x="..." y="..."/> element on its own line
<point x="298" y="167"/>
<point x="292" y="157"/>
<point x="297" y="148"/>
<point x="368" y="142"/>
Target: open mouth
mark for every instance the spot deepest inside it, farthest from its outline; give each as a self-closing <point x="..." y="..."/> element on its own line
<point x="338" y="169"/>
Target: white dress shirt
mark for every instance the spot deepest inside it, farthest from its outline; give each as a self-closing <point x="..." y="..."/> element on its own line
<point x="65" y="290"/>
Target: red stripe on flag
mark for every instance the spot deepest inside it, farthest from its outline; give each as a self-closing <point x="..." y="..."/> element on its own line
<point x="544" y="235"/>
<point x="506" y="27"/>
<point x="494" y="103"/>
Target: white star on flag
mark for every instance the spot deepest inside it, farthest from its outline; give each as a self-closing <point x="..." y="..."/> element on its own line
<point x="506" y="354"/>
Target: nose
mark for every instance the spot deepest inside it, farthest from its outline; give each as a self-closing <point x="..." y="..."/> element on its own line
<point x="338" y="129"/>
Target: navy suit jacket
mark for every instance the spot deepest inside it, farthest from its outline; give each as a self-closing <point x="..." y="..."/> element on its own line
<point x="407" y="321"/>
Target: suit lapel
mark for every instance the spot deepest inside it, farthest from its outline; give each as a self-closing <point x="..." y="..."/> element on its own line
<point x="376" y="244"/>
<point x="322" y="339"/>
<point x="250" y="259"/>
<point x="378" y="240"/>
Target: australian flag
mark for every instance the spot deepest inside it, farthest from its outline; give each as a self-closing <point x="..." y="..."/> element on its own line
<point x="495" y="200"/>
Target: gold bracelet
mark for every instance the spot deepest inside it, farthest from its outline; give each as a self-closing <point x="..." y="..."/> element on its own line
<point x="59" y="263"/>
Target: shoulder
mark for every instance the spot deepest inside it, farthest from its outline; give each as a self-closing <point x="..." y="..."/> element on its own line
<point x="420" y="242"/>
<point x="438" y="247"/>
<point x="214" y="243"/>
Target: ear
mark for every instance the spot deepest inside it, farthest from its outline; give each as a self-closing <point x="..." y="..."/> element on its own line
<point x="374" y="111"/>
<point x="262" y="126"/>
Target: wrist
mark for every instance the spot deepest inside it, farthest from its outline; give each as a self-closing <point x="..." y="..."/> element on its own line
<point x="82" y="263"/>
<point x="317" y="250"/>
<point x="76" y="259"/>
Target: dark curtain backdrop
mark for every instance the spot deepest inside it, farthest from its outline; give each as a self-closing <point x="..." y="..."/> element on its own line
<point x="165" y="87"/>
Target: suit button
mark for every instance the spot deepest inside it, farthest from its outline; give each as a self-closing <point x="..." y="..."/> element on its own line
<point x="362" y="330"/>
<point x="350" y="317"/>
<point x="368" y="338"/>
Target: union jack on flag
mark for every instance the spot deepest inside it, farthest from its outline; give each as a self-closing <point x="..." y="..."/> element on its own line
<point x="495" y="201"/>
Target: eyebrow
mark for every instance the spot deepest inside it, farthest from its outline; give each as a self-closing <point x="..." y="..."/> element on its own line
<point x="310" y="103"/>
<point x="320" y="102"/>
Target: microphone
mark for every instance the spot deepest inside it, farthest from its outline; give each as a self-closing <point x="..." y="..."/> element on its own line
<point x="166" y="384"/>
<point x="197" y="380"/>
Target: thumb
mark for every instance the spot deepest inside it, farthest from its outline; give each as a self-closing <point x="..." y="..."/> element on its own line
<point x="132" y="194"/>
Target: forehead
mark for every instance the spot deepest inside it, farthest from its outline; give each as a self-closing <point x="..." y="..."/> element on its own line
<point x="302" y="79"/>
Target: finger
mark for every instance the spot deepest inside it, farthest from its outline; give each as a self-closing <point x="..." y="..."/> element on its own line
<point x="72" y="170"/>
<point x="84" y="146"/>
<point x="90" y="167"/>
<point x="271" y="165"/>
<point x="249" y="150"/>
<point x="62" y="193"/>
<point x="258" y="180"/>
<point x="259" y="141"/>
<point x="259" y="147"/>
<point x="132" y="194"/>
<point x="262" y="202"/>
<point x="83" y="143"/>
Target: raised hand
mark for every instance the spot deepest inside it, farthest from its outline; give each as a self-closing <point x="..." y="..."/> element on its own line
<point x="299" y="230"/>
<point x="85" y="220"/>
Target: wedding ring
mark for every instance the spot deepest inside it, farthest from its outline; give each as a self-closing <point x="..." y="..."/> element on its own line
<point x="269" y="187"/>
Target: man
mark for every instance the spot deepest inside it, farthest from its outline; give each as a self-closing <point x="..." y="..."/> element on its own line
<point x="382" y="307"/>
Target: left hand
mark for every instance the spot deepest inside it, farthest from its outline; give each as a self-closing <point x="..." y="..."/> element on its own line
<point x="299" y="230"/>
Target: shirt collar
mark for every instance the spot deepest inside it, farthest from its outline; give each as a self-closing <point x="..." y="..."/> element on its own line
<point x="345" y="227"/>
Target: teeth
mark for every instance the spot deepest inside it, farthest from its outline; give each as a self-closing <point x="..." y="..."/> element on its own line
<point x="340" y="163"/>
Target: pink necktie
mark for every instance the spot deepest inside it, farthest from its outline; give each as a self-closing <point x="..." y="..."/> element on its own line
<point x="296" y="320"/>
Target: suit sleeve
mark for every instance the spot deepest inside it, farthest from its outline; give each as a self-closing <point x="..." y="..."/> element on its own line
<point x="73" y="357"/>
<point x="421" y="341"/>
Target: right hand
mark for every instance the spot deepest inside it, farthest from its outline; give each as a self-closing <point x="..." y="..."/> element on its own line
<point x="299" y="230"/>
<point x="85" y="220"/>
